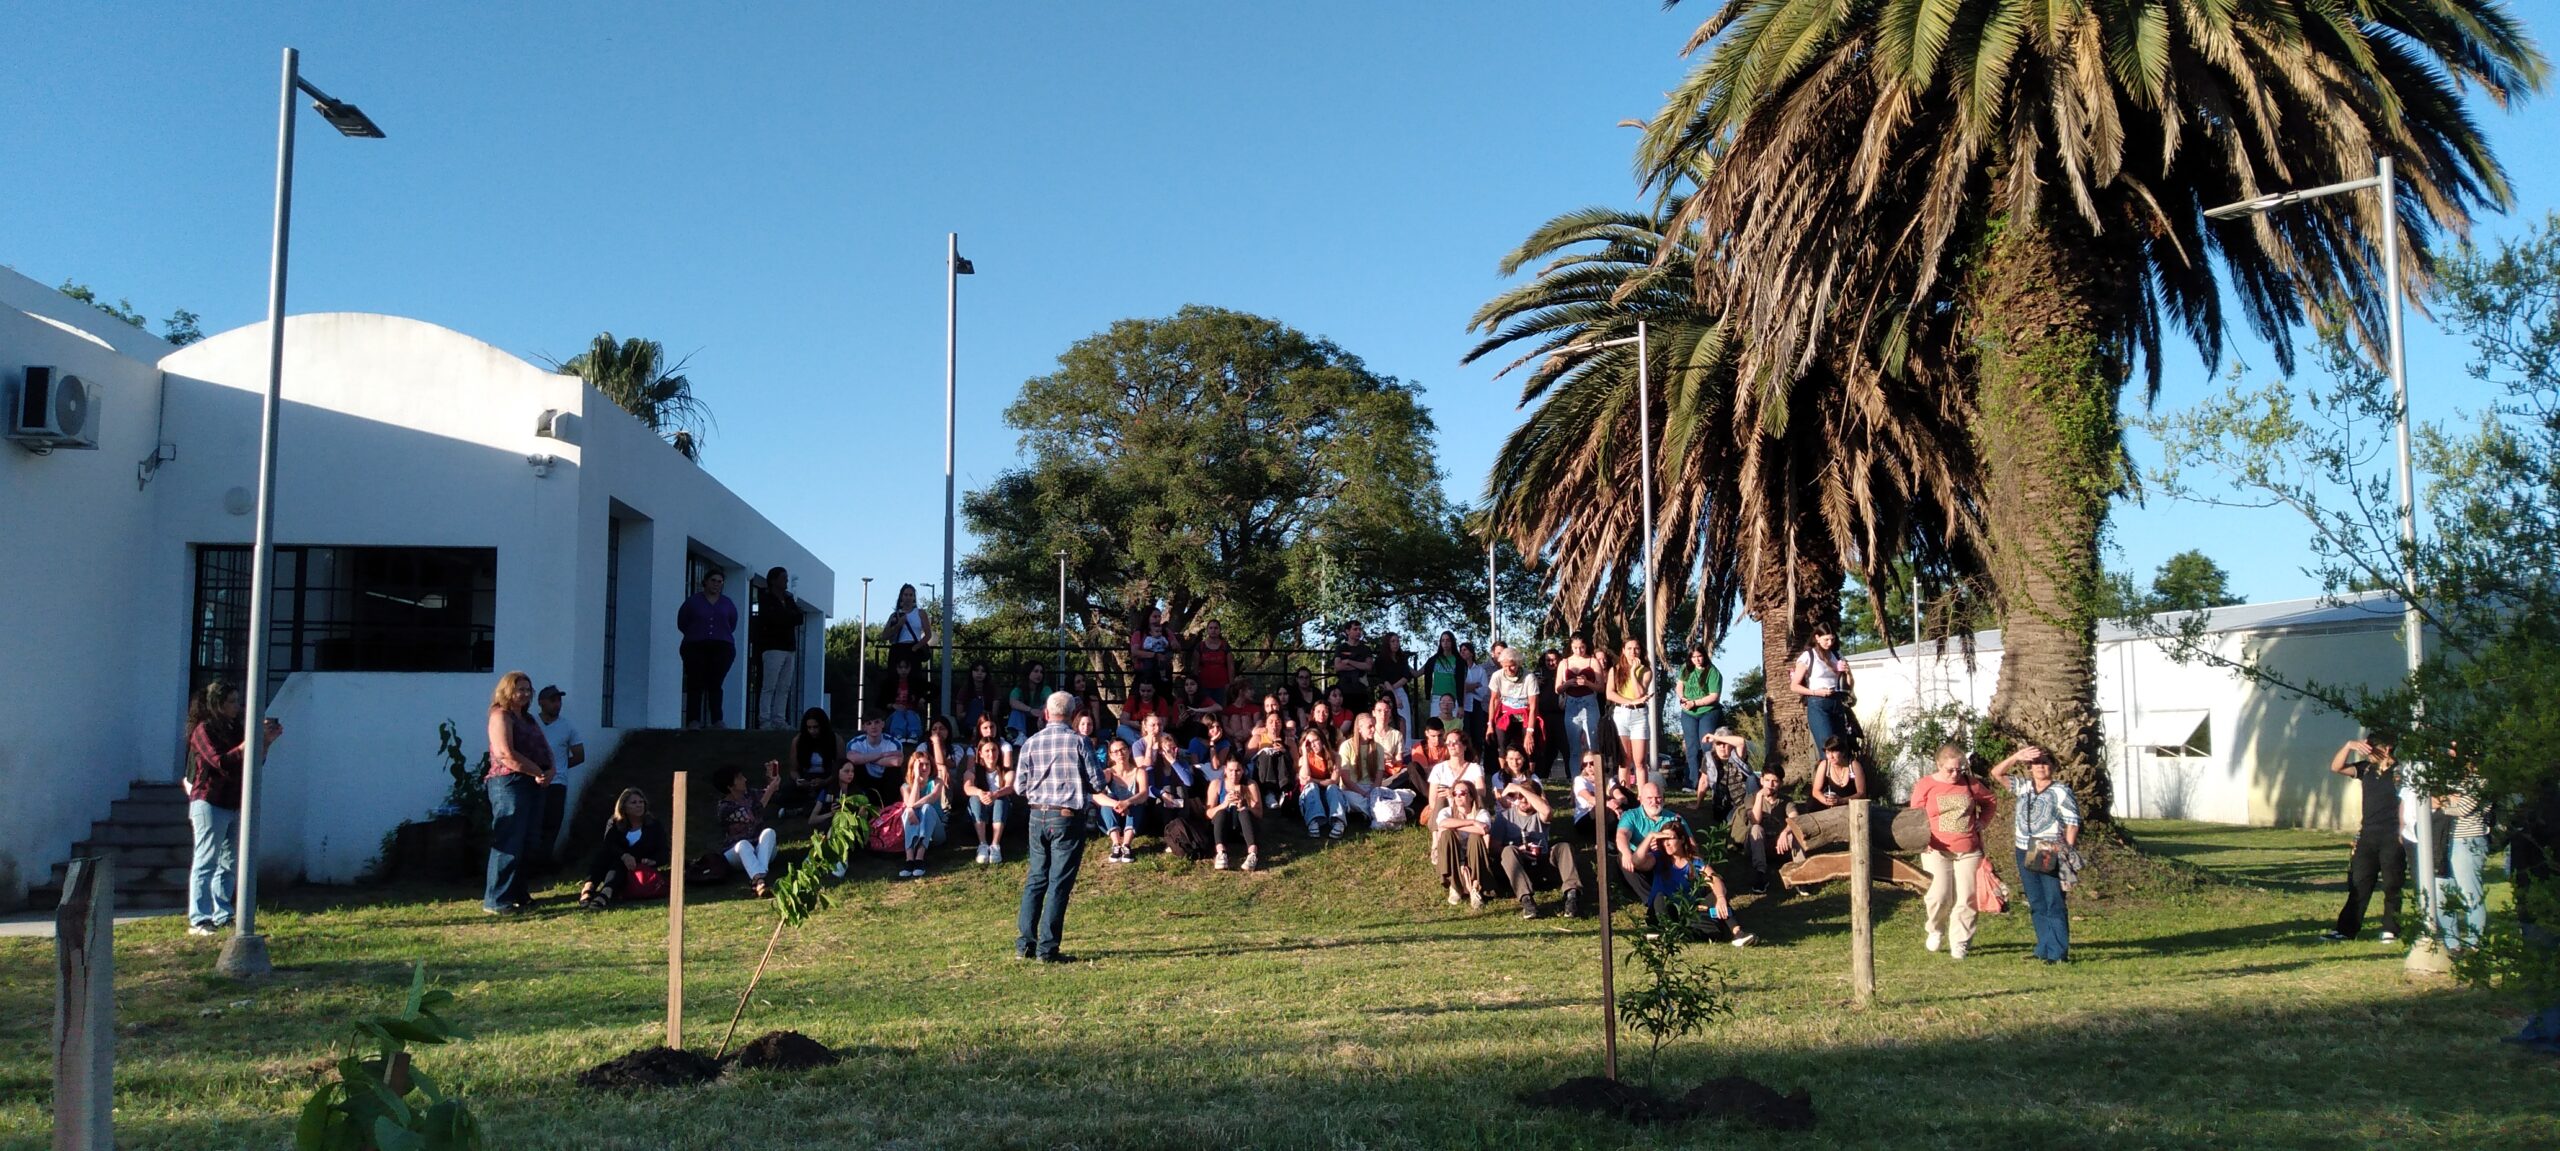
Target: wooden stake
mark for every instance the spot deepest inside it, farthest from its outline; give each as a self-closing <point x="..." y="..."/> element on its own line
<point x="1862" y="926"/>
<point x="675" y="916"/>
<point x="1608" y="946"/>
<point x="84" y="1008"/>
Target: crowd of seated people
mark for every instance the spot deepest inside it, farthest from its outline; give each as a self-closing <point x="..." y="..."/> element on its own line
<point x="1201" y="756"/>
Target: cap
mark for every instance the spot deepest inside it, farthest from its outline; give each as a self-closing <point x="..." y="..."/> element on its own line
<point x="551" y="689"/>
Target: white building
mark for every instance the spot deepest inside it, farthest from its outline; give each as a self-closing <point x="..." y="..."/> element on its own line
<point x="445" y="512"/>
<point x="2194" y="740"/>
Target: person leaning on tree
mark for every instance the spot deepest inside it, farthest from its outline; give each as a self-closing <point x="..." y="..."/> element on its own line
<point x="2378" y="854"/>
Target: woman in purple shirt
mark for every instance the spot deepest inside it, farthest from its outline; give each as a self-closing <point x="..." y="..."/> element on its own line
<point x="709" y="622"/>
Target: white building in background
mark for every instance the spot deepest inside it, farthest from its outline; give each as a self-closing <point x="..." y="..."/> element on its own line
<point x="445" y="512"/>
<point x="2193" y="740"/>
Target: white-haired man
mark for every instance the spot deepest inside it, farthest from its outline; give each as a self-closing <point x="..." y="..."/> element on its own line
<point x="1057" y="782"/>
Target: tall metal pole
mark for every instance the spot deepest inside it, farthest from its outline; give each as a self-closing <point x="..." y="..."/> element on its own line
<point x="950" y="491"/>
<point x="862" y="658"/>
<point x="245" y="953"/>
<point x="1062" y="619"/>
<point x="2412" y="624"/>
<point x="1652" y="631"/>
<point x="1492" y="604"/>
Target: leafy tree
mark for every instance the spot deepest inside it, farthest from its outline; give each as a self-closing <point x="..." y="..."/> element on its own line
<point x="2483" y="710"/>
<point x="2190" y="581"/>
<point x="635" y="374"/>
<point x="1769" y="490"/>
<point x="1221" y="464"/>
<point x="2034" y="175"/>
<point x="181" y="328"/>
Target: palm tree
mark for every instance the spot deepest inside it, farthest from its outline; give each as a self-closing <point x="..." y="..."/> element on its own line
<point x="634" y="374"/>
<point x="1768" y="495"/>
<point x="2030" y="177"/>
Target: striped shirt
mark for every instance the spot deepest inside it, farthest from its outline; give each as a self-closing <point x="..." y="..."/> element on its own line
<point x="2470" y="816"/>
<point x="2043" y="814"/>
<point x="1052" y="769"/>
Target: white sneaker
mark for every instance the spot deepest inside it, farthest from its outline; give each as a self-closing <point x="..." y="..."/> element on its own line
<point x="201" y="929"/>
<point x="995" y="853"/>
<point x="1936" y="940"/>
<point x="1453" y="897"/>
<point x="1745" y="939"/>
<point x="1956" y="951"/>
<point x="2391" y="937"/>
<point x="1252" y="859"/>
<point x="1475" y="901"/>
<point x="1220" y="864"/>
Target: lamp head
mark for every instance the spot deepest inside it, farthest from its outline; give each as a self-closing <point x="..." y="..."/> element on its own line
<point x="348" y="119"/>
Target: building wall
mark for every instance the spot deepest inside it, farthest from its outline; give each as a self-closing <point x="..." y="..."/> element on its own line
<point x="394" y="432"/>
<point x="72" y="531"/>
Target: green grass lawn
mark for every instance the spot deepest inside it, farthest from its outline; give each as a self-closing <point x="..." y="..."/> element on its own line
<point x="1330" y="1001"/>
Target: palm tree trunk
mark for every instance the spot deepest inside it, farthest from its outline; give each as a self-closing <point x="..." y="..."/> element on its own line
<point x="2052" y="453"/>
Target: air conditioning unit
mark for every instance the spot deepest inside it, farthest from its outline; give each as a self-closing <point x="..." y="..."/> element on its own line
<point x="52" y="410"/>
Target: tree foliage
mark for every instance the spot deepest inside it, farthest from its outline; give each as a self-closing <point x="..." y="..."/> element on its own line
<point x="635" y="375"/>
<point x="1220" y="464"/>
<point x="181" y="328"/>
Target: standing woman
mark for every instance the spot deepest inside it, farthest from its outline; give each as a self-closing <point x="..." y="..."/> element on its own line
<point x="519" y="768"/>
<point x="909" y="629"/>
<point x="709" y="623"/>
<point x="1023" y="706"/>
<point x="215" y="748"/>
<point x="978" y="695"/>
<point x="1213" y="662"/>
<point x="1577" y="680"/>
<point x="1823" y="679"/>
<point x="1631" y="688"/>
<point x="2048" y="836"/>
<point x="1444" y="681"/>
<point x="1701" y="712"/>
<point x="1957" y="806"/>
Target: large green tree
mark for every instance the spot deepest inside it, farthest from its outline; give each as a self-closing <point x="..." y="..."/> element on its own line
<point x="1219" y="464"/>
<point x="635" y="375"/>
<point x="2035" y="173"/>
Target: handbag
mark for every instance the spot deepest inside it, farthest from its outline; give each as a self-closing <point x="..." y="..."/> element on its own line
<point x="1990" y="896"/>
<point x="647" y="883"/>
<point x="2044" y="857"/>
<point x="889" y="830"/>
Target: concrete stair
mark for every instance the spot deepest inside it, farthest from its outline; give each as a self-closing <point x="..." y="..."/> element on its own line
<point x="153" y="844"/>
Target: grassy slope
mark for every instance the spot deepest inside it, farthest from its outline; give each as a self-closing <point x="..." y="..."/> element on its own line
<point x="1332" y="1001"/>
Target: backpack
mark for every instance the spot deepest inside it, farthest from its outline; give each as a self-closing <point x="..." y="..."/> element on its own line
<point x="889" y="830"/>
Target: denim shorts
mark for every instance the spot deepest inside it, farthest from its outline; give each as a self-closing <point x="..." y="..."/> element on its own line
<point x="1630" y="722"/>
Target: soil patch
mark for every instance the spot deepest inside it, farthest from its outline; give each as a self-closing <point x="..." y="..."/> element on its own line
<point x="650" y="1067"/>
<point x="784" y="1051"/>
<point x="1594" y="1095"/>
<point x="1747" y="1101"/>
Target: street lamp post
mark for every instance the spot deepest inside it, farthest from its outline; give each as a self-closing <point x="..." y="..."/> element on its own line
<point x="862" y="657"/>
<point x="2425" y="954"/>
<point x="244" y="955"/>
<point x="1062" y="617"/>
<point x="956" y="267"/>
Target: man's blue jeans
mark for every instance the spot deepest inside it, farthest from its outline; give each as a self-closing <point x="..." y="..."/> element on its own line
<point x="2469" y="856"/>
<point x="1055" y="854"/>
<point x="515" y="833"/>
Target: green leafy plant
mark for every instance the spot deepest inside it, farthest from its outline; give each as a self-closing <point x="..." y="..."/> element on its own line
<point x="802" y="890"/>
<point x="467" y="795"/>
<point x="1678" y="995"/>
<point x="385" y="1103"/>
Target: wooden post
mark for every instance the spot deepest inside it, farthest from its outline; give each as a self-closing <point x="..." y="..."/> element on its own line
<point x="1862" y="926"/>
<point x="676" y="863"/>
<point x="84" y="1008"/>
<point x="1608" y="946"/>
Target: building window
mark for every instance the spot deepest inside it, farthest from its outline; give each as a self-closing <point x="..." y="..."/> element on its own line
<point x="612" y="613"/>
<point x="349" y="609"/>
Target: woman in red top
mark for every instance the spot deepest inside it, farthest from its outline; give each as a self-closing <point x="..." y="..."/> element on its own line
<point x="1213" y="661"/>
<point x="1958" y="806"/>
<point x="215" y="748"/>
<point x="519" y="768"/>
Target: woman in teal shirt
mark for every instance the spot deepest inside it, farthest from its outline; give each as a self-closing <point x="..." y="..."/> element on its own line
<point x="1701" y="709"/>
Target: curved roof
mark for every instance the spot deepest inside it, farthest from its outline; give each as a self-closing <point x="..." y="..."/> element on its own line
<point x="376" y="326"/>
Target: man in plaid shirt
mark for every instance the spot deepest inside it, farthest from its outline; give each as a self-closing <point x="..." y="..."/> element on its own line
<point x="1057" y="780"/>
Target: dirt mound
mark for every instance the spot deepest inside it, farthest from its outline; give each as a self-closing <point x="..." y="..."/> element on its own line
<point x="650" y="1067"/>
<point x="1594" y="1095"/>
<point x="784" y="1051"/>
<point x="1747" y="1101"/>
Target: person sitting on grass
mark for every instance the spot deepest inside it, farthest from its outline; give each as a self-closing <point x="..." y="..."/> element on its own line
<point x="1181" y="799"/>
<point x="1681" y="873"/>
<point x="921" y="817"/>
<point x="1459" y="768"/>
<point x="1268" y="745"/>
<point x="906" y="705"/>
<point x="832" y="800"/>
<point x="1123" y="800"/>
<point x="988" y="780"/>
<point x="1413" y="776"/>
<point x="1319" y="785"/>
<point x="1386" y="727"/>
<point x="1514" y="769"/>
<point x="1096" y="748"/>
<point x="743" y="825"/>
<point x="1364" y="768"/>
<point x="1235" y="810"/>
<point x="1593" y="788"/>
<point x="879" y="757"/>
<point x="1526" y="854"/>
<point x="1638" y="840"/>
<point x="1468" y="830"/>
<point x="632" y="857"/>
<point x="1769" y="828"/>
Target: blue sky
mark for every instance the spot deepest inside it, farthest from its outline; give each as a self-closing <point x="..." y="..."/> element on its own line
<point x="768" y="189"/>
